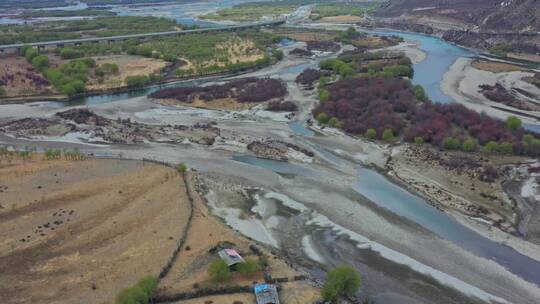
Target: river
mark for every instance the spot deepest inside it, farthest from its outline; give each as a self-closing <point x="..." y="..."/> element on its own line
<point x="428" y="73"/>
<point x="374" y="186"/>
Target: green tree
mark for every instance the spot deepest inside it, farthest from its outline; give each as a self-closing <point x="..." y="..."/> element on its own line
<point x="30" y="53"/>
<point x="418" y="140"/>
<point x="469" y="145"/>
<point x="219" y="271"/>
<point x="450" y="143"/>
<point x="324" y="95"/>
<point x="388" y="135"/>
<point x="139" y="293"/>
<point x="334" y="122"/>
<point x="342" y="281"/>
<point x="322" y="118"/>
<point x="249" y="267"/>
<point x="420" y="93"/>
<point x="491" y="147"/>
<point x="40" y="62"/>
<point x="506" y="148"/>
<point x="513" y="123"/>
<point x="181" y="167"/>
<point x="371" y="134"/>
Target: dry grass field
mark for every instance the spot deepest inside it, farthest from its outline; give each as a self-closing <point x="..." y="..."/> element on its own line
<point x="80" y="231"/>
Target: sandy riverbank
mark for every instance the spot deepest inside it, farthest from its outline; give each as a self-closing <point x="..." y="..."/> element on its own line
<point x="462" y="80"/>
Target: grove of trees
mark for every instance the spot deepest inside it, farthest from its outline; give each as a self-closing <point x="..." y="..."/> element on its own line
<point x="382" y="104"/>
<point x="243" y="90"/>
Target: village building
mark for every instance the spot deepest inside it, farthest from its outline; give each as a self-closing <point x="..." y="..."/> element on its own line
<point x="231" y="257"/>
<point x="266" y="294"/>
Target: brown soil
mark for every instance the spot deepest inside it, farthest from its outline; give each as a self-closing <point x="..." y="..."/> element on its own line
<point x="128" y="66"/>
<point x="73" y="230"/>
<point x="21" y="78"/>
<point x="496" y="67"/>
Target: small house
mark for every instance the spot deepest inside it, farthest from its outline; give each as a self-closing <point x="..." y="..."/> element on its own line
<point x="231" y="257"/>
<point x="266" y="294"/>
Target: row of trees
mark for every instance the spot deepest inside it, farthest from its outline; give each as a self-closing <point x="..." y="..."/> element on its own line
<point x="244" y="90"/>
<point x="382" y="104"/>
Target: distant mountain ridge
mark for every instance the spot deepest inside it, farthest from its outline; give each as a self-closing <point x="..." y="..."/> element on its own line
<point x="475" y="23"/>
<point x="486" y="15"/>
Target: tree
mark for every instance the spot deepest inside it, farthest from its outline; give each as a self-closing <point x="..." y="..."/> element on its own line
<point x="249" y="267"/>
<point x="182" y="168"/>
<point x="30" y="53"/>
<point x="322" y="118"/>
<point x="324" y="95"/>
<point x="342" y="281"/>
<point x="219" y="271"/>
<point x="418" y="140"/>
<point x="469" y="145"/>
<point x="40" y="62"/>
<point x="139" y="293"/>
<point x="388" y="135"/>
<point x="513" y="123"/>
<point x="491" y="147"/>
<point x="420" y="93"/>
<point x="371" y="134"/>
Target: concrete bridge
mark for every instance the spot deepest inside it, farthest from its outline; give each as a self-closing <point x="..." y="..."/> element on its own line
<point x="61" y="43"/>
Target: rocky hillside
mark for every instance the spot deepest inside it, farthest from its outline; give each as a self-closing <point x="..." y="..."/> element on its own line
<point x="478" y="23"/>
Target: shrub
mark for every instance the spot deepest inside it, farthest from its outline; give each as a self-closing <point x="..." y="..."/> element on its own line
<point x="513" y="123"/>
<point x="278" y="54"/>
<point x="40" y="62"/>
<point x="418" y="140"/>
<point x="249" y="267"/>
<point x="343" y="281"/>
<point x="70" y="53"/>
<point x="140" y="293"/>
<point x="324" y="95"/>
<point x="219" y="271"/>
<point x="420" y="93"/>
<point x="137" y="81"/>
<point x="505" y="148"/>
<point x="2" y="92"/>
<point x="371" y="133"/>
<point x="322" y="118"/>
<point x="469" y="145"/>
<point x="491" y="147"/>
<point x="182" y="168"/>
<point x="30" y="53"/>
<point x="388" y="135"/>
<point x="107" y="69"/>
<point x="450" y="143"/>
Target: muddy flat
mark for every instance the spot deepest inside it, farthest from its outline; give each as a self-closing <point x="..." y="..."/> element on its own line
<point x="79" y="231"/>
